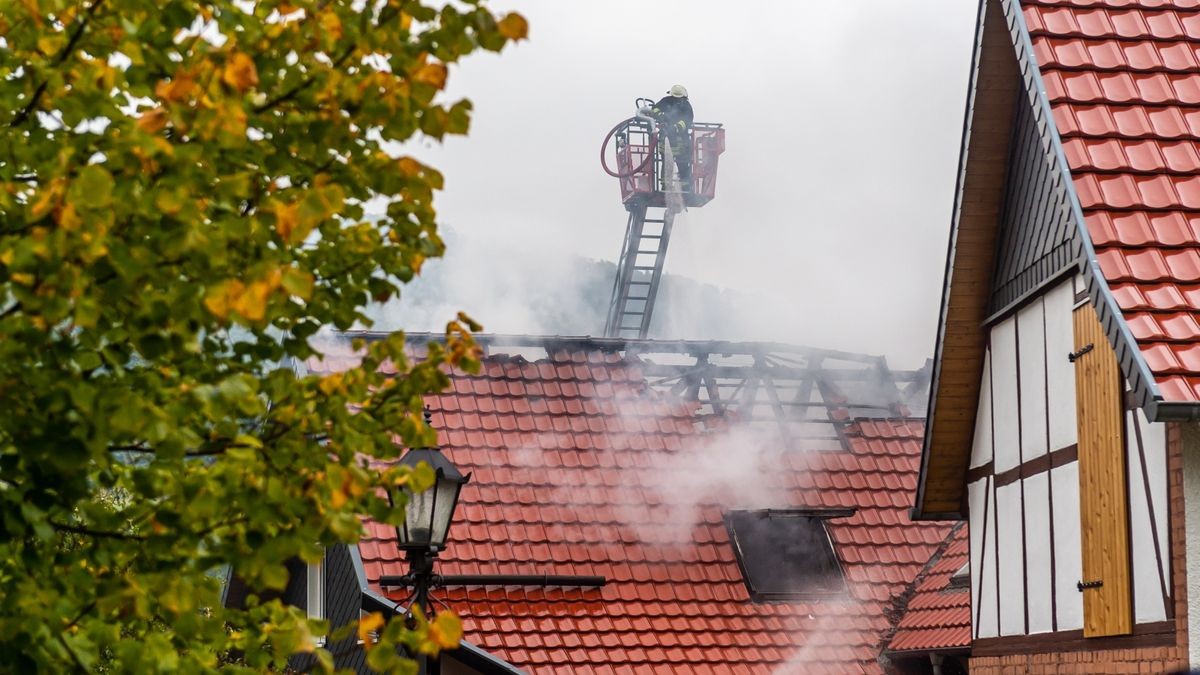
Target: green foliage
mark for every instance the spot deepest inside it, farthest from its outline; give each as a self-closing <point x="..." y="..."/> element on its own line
<point x="181" y="209"/>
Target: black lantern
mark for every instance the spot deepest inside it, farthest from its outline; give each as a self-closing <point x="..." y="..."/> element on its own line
<point x="428" y="514"/>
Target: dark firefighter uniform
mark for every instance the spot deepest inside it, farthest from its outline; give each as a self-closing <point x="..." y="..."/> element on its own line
<point x="674" y="115"/>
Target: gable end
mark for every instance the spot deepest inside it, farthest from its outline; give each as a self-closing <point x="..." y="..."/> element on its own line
<point x="1039" y="238"/>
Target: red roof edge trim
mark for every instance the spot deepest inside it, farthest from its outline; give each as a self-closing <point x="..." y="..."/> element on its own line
<point x="1133" y="364"/>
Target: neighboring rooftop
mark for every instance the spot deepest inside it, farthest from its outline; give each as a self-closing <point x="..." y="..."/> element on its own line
<point x="583" y="466"/>
<point x="1123" y="83"/>
<point x="937" y="613"/>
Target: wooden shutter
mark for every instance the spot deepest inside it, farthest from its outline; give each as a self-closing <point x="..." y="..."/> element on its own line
<point x="1103" y="497"/>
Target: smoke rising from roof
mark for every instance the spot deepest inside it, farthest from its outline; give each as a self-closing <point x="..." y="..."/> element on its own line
<point x="834" y="195"/>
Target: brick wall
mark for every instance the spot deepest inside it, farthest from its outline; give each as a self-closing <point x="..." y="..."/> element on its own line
<point x="1109" y="654"/>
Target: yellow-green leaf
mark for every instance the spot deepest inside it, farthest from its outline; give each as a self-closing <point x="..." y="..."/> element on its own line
<point x="92" y="188"/>
<point x="298" y="282"/>
<point x="445" y="630"/>
<point x="368" y="627"/>
<point x="514" y="27"/>
<point x="240" y="72"/>
<point x="433" y="74"/>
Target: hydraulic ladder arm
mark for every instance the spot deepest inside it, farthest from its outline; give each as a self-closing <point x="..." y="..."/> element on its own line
<point x="639" y="271"/>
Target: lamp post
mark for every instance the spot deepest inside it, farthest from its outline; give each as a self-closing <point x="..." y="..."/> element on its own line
<point x="427" y="518"/>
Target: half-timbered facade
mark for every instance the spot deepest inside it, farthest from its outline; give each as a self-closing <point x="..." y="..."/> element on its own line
<point x="1066" y="381"/>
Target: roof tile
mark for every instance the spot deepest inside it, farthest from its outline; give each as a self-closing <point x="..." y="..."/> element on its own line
<point x="1181" y="156"/>
<point x="1129" y="122"/>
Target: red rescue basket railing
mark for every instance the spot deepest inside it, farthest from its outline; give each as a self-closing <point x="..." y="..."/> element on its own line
<point x="639" y="162"/>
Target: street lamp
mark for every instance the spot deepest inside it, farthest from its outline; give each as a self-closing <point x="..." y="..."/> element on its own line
<point x="427" y="517"/>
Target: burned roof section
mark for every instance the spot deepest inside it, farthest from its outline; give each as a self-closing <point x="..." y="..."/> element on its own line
<point x="807" y="396"/>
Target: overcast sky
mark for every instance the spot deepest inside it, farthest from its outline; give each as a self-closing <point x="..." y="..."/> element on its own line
<point x="833" y="202"/>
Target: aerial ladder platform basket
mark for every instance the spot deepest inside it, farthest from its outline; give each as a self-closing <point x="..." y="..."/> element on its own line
<point x="653" y="197"/>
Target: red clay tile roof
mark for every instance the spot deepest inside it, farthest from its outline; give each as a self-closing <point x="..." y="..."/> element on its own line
<point x="1123" y="78"/>
<point x="937" y="617"/>
<point x="578" y="468"/>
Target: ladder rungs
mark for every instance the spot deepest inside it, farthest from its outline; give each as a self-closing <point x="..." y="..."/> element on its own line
<point x="640" y="283"/>
<point x="644" y="268"/>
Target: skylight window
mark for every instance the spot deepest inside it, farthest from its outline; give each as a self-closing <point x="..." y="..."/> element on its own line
<point x="786" y="554"/>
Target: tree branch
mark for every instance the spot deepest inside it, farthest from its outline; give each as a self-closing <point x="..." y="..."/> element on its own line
<point x="82" y="613"/>
<point x="74" y="657"/>
<point x="308" y="82"/>
<point x="233" y="521"/>
<point x="58" y="60"/>
<point x="145" y="449"/>
<point x="100" y="534"/>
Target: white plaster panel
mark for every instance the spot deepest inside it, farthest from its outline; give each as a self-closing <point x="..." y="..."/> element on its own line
<point x="1037" y="553"/>
<point x="981" y="448"/>
<point x="1031" y="339"/>
<point x="1060" y="380"/>
<point x="1154" y="440"/>
<point x="1147" y="587"/>
<point x="1011" y="566"/>
<point x="983" y="561"/>
<point x="1068" y="561"/>
<point x="1004" y="395"/>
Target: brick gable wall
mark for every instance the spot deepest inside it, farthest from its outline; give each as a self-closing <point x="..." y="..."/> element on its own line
<point x="1120" y="655"/>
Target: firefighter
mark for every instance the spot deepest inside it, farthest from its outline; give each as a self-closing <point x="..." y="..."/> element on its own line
<point x="674" y="115"/>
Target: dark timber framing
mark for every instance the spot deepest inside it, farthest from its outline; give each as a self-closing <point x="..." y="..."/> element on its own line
<point x="1158" y="634"/>
<point x="1038" y="465"/>
<point x="987" y="478"/>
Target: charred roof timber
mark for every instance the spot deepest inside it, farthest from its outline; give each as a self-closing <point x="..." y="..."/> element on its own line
<point x="808" y="394"/>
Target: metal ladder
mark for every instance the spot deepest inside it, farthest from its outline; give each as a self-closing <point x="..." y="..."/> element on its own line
<point x="639" y="271"/>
